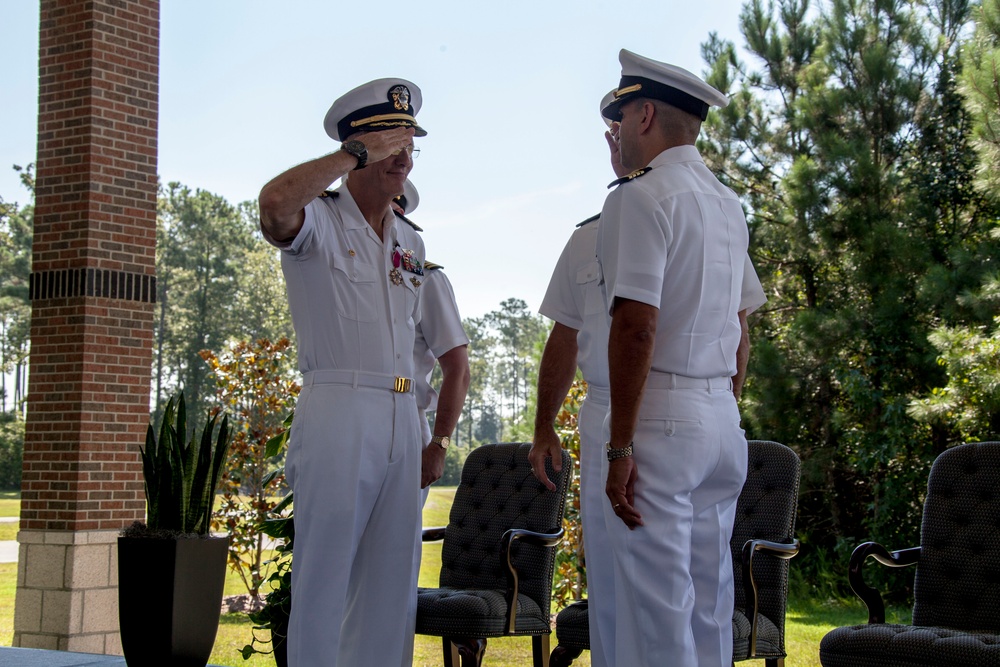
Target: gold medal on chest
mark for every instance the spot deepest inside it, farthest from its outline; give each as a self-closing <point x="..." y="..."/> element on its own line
<point x="396" y="276"/>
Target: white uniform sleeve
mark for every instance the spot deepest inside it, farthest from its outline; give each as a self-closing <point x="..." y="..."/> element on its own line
<point x="440" y="322"/>
<point x="752" y="295"/>
<point x="562" y="301"/>
<point x="635" y="242"/>
<point x="306" y="237"/>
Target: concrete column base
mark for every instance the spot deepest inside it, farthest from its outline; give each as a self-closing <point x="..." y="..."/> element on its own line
<point x="67" y="591"/>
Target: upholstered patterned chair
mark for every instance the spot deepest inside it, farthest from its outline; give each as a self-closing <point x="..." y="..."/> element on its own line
<point x="496" y="561"/>
<point x="763" y="541"/>
<point x="956" y="588"/>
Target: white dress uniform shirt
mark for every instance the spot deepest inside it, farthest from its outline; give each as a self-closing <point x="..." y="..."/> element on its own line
<point x="354" y="453"/>
<point x="698" y="292"/>
<point x="676" y="239"/>
<point x="439" y="330"/>
<point x="337" y="259"/>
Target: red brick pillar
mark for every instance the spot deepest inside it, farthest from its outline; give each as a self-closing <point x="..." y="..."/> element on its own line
<point x="92" y="291"/>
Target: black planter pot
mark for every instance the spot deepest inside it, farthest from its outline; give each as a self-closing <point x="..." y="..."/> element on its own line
<point x="169" y="599"/>
<point x="280" y="646"/>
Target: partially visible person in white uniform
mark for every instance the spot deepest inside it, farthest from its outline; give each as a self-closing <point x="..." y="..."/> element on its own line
<point x="353" y="276"/>
<point x="579" y="337"/>
<point x="672" y="250"/>
<point x="439" y="339"/>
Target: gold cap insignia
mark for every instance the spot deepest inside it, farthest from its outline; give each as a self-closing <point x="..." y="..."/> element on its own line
<point x="400" y="96"/>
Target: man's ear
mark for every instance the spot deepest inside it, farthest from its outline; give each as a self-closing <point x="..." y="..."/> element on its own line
<point x="648" y="112"/>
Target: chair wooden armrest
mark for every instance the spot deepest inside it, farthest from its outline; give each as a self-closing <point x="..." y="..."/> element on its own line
<point x="433" y="534"/>
<point x="781" y="550"/>
<point x="506" y="542"/>
<point x="871" y="597"/>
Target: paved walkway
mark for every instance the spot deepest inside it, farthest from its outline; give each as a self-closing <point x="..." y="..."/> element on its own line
<point x="8" y="553"/>
<point x="8" y="549"/>
<point x="29" y="657"/>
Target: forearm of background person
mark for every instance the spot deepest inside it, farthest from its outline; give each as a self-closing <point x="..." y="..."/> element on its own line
<point x="742" y="355"/>
<point x="555" y="377"/>
<point x="455" y="378"/>
<point x="630" y="356"/>
<point x="284" y="198"/>
<point x="454" y="386"/>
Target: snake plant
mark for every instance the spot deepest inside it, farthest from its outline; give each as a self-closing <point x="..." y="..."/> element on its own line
<point x="180" y="475"/>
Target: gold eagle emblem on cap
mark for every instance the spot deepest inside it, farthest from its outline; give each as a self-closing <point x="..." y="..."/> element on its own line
<point x="400" y="96"/>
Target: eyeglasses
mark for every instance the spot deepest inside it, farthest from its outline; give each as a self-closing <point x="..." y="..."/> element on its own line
<point x="411" y="150"/>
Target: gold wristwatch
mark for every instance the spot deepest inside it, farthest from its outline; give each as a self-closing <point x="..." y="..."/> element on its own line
<point x="441" y="441"/>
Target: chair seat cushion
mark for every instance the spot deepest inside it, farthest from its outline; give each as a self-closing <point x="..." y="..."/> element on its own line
<point x="891" y="645"/>
<point x="471" y="612"/>
<point x="573" y="631"/>
<point x="573" y="626"/>
<point x="769" y="644"/>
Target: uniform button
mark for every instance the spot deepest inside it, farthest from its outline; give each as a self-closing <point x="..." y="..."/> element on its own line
<point x="397" y="356"/>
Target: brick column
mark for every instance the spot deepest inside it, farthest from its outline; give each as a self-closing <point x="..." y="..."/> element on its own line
<point x="92" y="290"/>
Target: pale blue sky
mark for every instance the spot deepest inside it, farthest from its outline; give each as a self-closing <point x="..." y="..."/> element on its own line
<point x="515" y="154"/>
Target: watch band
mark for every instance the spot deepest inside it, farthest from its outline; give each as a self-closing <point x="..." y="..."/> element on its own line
<point x="619" y="452"/>
<point x="441" y="441"/>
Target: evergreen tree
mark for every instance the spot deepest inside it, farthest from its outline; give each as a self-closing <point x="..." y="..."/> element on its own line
<point x="852" y="160"/>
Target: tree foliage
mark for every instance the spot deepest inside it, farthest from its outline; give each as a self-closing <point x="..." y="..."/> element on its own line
<point x="218" y="281"/>
<point x="505" y="350"/>
<point x="16" y="224"/>
<point x="850" y="148"/>
<point x="569" y="579"/>
<point x="253" y="383"/>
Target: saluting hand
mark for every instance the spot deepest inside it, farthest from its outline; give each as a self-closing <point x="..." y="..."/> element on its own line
<point x="546" y="445"/>
<point x="381" y="145"/>
<point x="616" y="157"/>
<point x="620" y="489"/>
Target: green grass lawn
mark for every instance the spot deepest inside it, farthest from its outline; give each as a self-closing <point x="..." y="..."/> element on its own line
<point x="806" y="622"/>
<point x="8" y="531"/>
<point x="10" y="503"/>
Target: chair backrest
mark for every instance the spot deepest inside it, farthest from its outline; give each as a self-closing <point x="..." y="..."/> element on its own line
<point x="957" y="582"/>
<point x="766" y="511"/>
<point x="498" y="492"/>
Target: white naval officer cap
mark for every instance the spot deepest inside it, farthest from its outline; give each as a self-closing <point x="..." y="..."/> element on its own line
<point x="382" y="104"/>
<point x="605" y="102"/>
<point x="409" y="199"/>
<point x="644" y="77"/>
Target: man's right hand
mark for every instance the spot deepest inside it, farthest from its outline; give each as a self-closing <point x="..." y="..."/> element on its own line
<point x="381" y="145"/>
<point x="616" y="157"/>
<point x="546" y="445"/>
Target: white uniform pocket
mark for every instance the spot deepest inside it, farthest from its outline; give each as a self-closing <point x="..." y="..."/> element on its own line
<point x="355" y="287"/>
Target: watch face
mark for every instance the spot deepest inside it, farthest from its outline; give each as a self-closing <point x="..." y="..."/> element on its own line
<point x="354" y="147"/>
<point x="358" y="150"/>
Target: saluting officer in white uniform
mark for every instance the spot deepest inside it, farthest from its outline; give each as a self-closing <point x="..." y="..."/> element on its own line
<point x="354" y="275"/>
<point x="579" y="337"/>
<point x="672" y="250"/>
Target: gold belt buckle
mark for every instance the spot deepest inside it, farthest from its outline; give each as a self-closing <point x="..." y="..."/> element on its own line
<point x="402" y="385"/>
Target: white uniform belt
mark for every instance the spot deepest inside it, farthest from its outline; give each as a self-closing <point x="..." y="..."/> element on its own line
<point x="657" y="380"/>
<point x="355" y="379"/>
<point x="600" y="395"/>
